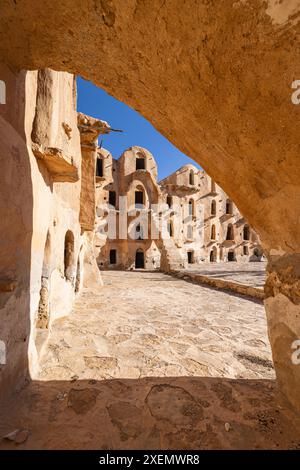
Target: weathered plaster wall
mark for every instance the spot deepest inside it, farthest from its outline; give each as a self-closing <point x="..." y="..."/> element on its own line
<point x="16" y="218"/>
<point x="55" y="204"/>
<point x="38" y="208"/>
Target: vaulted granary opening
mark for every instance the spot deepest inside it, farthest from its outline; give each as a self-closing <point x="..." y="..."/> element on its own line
<point x="139" y="199"/>
<point x="99" y="167"/>
<point x="213" y="232"/>
<point x="213" y="208"/>
<point x="139" y="259"/>
<point x="229" y="207"/>
<point x="140" y="162"/>
<point x="170" y="228"/>
<point x="112" y="199"/>
<point x="213" y="255"/>
<point x="230" y="232"/>
<point x="113" y="256"/>
<point x="190" y="256"/>
<point x="117" y="356"/>
<point x="246" y="232"/>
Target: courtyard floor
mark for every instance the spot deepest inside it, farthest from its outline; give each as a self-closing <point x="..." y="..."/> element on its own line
<point x="250" y="274"/>
<point x="148" y="324"/>
<point x="151" y="361"/>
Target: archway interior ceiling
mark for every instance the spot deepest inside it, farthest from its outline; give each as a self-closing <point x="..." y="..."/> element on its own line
<point x="214" y="79"/>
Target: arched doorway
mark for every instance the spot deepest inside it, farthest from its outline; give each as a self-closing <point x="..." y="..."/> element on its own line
<point x="246" y="232"/>
<point x="229" y="207"/>
<point x="230" y="232"/>
<point x="190" y="256"/>
<point x="213" y="232"/>
<point x="139" y="259"/>
<point x="169" y="201"/>
<point x="213" y="255"/>
<point x="139" y="197"/>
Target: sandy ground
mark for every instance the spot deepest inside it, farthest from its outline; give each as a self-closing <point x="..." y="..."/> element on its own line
<point x="150" y="361"/>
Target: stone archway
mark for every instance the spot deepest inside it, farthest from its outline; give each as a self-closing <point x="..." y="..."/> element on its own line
<point x="175" y="71"/>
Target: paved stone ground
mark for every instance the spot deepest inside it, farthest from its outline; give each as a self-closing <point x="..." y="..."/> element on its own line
<point x="148" y="324"/>
<point x="251" y="274"/>
<point x="143" y="363"/>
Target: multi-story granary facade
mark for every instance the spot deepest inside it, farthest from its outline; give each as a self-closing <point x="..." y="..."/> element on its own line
<point x="184" y="219"/>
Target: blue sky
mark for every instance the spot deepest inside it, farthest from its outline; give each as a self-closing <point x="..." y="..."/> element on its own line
<point x="136" y="130"/>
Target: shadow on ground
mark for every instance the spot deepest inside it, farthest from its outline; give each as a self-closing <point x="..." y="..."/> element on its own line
<point x="151" y="413"/>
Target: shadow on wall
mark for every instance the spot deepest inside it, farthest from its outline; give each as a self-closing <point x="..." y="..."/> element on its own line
<point x="16" y="222"/>
<point x="152" y="413"/>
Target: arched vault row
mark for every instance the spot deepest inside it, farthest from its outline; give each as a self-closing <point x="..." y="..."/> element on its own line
<point x="215" y="78"/>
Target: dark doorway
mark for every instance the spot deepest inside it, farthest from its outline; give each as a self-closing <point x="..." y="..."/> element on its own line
<point x="139" y="259"/>
<point x="99" y="167"/>
<point x="139" y="198"/>
<point x="113" y="257"/>
<point x="112" y="198"/>
<point x="213" y="256"/>
<point x="190" y="257"/>
<point x="229" y="207"/>
<point x="140" y="164"/>
<point x="246" y="232"/>
<point x="230" y="234"/>
<point x="169" y="201"/>
<point x="231" y="256"/>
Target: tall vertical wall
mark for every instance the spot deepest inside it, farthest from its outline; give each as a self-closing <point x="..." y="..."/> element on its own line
<point x="40" y="225"/>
